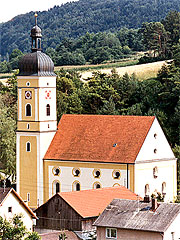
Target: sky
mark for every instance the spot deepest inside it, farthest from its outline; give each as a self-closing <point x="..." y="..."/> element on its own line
<point x="12" y="8"/>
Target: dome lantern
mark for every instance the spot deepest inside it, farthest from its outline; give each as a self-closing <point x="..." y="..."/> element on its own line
<point x="36" y="63"/>
<point x="36" y="37"/>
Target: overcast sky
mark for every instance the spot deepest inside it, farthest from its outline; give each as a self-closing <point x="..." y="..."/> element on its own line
<point x="12" y="8"/>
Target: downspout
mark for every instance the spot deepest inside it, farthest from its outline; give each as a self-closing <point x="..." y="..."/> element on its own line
<point x="127" y="175"/>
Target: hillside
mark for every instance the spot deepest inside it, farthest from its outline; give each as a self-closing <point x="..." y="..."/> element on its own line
<point x="76" y="18"/>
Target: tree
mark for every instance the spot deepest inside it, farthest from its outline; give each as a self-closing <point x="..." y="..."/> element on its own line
<point x="172" y="26"/>
<point x="15" y="230"/>
<point x="7" y="139"/>
<point x="155" y="38"/>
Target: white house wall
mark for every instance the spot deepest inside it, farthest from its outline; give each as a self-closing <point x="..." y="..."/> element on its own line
<point x="173" y="229"/>
<point x="17" y="208"/>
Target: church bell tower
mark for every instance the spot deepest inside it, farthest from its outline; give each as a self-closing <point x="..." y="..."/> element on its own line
<point x="37" y="123"/>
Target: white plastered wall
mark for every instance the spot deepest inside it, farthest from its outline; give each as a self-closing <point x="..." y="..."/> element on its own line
<point x="17" y="208"/>
<point x="163" y="159"/>
<point x="86" y="178"/>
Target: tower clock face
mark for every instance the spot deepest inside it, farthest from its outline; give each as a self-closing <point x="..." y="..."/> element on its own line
<point x="28" y="95"/>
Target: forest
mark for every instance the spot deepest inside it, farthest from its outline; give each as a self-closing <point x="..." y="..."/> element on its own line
<point x="75" y="19"/>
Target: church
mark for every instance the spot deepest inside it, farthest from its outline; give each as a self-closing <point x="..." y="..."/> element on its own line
<point x="83" y="151"/>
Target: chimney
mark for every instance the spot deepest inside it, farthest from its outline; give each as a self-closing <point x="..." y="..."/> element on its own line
<point x="154" y="204"/>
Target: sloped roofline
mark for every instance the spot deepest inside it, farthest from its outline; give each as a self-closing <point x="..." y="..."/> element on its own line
<point x="21" y="201"/>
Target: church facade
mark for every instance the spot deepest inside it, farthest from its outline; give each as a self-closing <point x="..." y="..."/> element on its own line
<point x="85" y="151"/>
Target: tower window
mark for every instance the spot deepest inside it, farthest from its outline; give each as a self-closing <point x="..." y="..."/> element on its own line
<point x="47" y="110"/>
<point x="28" y="147"/>
<point x="28" y="110"/>
<point x="28" y="126"/>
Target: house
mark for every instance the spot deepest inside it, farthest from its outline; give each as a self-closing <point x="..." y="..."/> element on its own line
<point x="132" y="219"/>
<point x="86" y="151"/>
<point x="12" y="204"/>
<point x="77" y="210"/>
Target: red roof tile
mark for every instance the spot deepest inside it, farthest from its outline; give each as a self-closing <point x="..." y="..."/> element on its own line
<point x="90" y="203"/>
<point x="91" y="138"/>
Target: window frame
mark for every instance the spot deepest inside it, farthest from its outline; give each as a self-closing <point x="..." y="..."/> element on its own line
<point x="110" y="233"/>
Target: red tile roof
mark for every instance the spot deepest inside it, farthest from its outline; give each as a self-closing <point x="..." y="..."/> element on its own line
<point x="90" y="203"/>
<point x="91" y="138"/>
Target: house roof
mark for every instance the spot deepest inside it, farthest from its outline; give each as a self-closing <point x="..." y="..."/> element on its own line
<point x="90" y="203"/>
<point x="55" y="235"/>
<point x="4" y="193"/>
<point x="124" y="214"/>
<point x="99" y="138"/>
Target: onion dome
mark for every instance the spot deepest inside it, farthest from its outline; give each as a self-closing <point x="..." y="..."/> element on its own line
<point x="36" y="63"/>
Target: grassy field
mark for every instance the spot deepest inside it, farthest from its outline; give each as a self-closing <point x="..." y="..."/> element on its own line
<point x="142" y="71"/>
<point x="83" y="68"/>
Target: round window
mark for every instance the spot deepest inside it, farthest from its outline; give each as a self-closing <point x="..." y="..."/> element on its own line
<point x="116" y="174"/>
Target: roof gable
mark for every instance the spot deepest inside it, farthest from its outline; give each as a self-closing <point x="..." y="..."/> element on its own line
<point x="124" y="214"/>
<point x="99" y="138"/>
<point x="4" y="193"/>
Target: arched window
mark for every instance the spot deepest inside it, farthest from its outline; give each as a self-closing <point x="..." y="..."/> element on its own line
<point x="28" y="110"/>
<point x="57" y="187"/>
<point x="147" y="190"/>
<point x="76" y="186"/>
<point x="28" y="147"/>
<point x="47" y="110"/>
<point x="96" y="185"/>
<point x="163" y="188"/>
